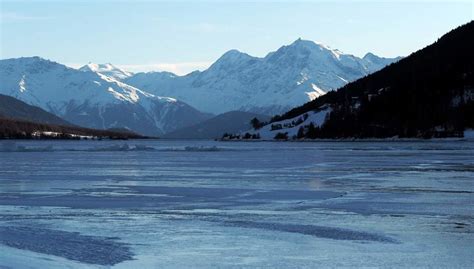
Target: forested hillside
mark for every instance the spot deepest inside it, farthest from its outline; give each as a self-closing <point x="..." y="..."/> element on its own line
<point x="427" y="94"/>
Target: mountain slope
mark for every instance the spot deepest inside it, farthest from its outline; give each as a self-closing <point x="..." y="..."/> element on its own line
<point x="429" y="93"/>
<point x="92" y="99"/>
<point x="15" y="109"/>
<point x="288" y="77"/>
<point x="229" y="122"/>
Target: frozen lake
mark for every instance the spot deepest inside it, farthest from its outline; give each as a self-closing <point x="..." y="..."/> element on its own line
<point x="206" y="204"/>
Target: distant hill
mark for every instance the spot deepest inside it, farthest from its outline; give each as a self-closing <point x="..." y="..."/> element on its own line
<point x="229" y="122"/>
<point x="20" y="120"/>
<point x="427" y="94"/>
<point x="15" y="109"/>
<point x="20" y="129"/>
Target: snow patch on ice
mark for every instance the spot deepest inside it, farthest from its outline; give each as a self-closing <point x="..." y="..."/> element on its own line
<point x="469" y="134"/>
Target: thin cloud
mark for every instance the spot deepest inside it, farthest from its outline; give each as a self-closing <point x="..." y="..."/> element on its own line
<point x="207" y="27"/>
<point x="176" y="68"/>
<point x="19" y="17"/>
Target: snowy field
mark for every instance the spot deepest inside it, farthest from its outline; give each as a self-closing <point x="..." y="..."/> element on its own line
<point x="206" y="204"/>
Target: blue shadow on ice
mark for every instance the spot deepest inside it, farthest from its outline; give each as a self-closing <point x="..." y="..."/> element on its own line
<point x="313" y="230"/>
<point x="73" y="246"/>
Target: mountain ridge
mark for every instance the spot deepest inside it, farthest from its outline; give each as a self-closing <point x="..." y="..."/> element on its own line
<point x="289" y="76"/>
<point x="104" y="96"/>
<point x="91" y="99"/>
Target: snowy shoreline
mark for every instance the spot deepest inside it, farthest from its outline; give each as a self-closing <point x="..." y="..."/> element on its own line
<point x="349" y="140"/>
<point x="468" y="135"/>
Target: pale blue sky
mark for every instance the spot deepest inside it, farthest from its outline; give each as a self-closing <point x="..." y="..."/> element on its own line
<point x="181" y="36"/>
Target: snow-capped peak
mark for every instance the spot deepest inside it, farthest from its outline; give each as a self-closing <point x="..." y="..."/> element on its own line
<point x="92" y="99"/>
<point x="232" y="57"/>
<point x="314" y="47"/>
<point x="107" y="69"/>
<point x="305" y="43"/>
<point x="292" y="75"/>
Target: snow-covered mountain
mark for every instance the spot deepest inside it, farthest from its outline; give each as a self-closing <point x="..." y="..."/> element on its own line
<point x="283" y="79"/>
<point x="92" y="99"/>
<point x="107" y="70"/>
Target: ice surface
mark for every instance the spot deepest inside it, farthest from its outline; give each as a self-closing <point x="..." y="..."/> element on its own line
<point x="207" y="204"/>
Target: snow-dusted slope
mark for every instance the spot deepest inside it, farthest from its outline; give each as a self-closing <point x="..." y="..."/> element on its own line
<point x="291" y="126"/>
<point x="107" y="70"/>
<point x="92" y="99"/>
<point x="283" y="79"/>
